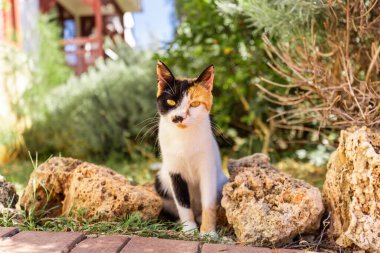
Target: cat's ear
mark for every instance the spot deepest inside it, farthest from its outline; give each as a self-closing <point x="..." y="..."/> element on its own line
<point x="206" y="79"/>
<point x="165" y="77"/>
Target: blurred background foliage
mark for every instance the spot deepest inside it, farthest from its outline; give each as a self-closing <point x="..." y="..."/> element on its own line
<point x="108" y="114"/>
<point x="228" y="34"/>
<point x="47" y="65"/>
<point x="281" y="19"/>
<point x="97" y="113"/>
<point x="205" y="36"/>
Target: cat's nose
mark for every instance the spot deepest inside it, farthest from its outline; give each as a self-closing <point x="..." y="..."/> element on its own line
<point x="177" y="119"/>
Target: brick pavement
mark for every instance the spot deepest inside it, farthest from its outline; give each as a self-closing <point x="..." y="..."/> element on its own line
<point x="14" y="241"/>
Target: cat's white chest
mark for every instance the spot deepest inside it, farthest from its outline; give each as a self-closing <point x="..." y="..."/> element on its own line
<point x="184" y="143"/>
<point x="190" y="152"/>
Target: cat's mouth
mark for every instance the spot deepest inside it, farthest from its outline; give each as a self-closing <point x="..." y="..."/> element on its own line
<point x="181" y="125"/>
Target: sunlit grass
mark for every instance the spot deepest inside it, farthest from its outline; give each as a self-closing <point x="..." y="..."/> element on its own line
<point x="18" y="171"/>
<point x="130" y="225"/>
<point x="138" y="171"/>
<point x="38" y="219"/>
<point x="314" y="175"/>
<point x="32" y="219"/>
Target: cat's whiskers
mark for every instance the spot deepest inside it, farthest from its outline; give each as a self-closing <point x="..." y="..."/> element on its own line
<point x="169" y="93"/>
<point x="148" y="123"/>
<point x="155" y="116"/>
<point x="152" y="128"/>
<point x="170" y="86"/>
<point x="156" y="143"/>
<point x="219" y="131"/>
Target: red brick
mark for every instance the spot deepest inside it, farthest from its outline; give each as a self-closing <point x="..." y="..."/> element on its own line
<point x="224" y="248"/>
<point x="6" y="232"/>
<point x="101" y="244"/>
<point x="288" y="251"/>
<point x="155" y="245"/>
<point x="41" y="242"/>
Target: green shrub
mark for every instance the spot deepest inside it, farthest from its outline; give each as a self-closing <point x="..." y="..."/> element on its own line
<point x="49" y="68"/>
<point x="227" y="33"/>
<point x="15" y="75"/>
<point x="205" y="37"/>
<point x="98" y="112"/>
<point x="279" y="18"/>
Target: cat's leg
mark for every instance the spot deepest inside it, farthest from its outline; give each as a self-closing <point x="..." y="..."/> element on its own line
<point x="181" y="194"/>
<point x="162" y="187"/>
<point x="195" y="202"/>
<point x="208" y="186"/>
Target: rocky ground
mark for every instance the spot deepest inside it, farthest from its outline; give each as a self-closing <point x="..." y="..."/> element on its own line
<point x="352" y="190"/>
<point x="267" y="207"/>
<point x="95" y="191"/>
<point x="263" y="206"/>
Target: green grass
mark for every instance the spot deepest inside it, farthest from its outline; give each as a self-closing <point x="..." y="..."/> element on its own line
<point x="18" y="172"/>
<point x="137" y="170"/>
<point x="130" y="225"/>
<point x="312" y="174"/>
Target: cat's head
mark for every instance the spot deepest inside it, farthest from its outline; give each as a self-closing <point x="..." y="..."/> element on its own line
<point x="184" y="102"/>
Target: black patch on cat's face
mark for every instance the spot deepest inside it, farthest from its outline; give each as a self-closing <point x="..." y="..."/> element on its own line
<point x="174" y="91"/>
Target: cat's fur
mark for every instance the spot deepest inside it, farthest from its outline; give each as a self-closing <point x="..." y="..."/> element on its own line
<point x="191" y="178"/>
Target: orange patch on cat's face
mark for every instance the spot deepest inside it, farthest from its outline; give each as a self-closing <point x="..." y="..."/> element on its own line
<point x="181" y="126"/>
<point x="200" y="94"/>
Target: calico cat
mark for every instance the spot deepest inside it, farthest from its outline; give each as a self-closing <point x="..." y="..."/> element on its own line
<point x="191" y="178"/>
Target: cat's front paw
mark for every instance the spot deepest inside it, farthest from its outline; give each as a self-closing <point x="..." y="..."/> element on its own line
<point x="190" y="227"/>
<point x="209" y="235"/>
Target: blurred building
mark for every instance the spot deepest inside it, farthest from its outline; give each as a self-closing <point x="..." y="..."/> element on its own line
<point x="85" y="24"/>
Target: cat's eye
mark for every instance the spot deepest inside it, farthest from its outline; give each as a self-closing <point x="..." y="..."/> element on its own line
<point x="195" y="104"/>
<point x="171" y="102"/>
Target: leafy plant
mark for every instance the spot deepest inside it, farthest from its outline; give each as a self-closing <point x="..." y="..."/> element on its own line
<point x="27" y="78"/>
<point x="205" y="37"/>
<point x="331" y="70"/>
<point x="49" y="68"/>
<point x="279" y="18"/>
<point x="98" y="112"/>
<point x="15" y="75"/>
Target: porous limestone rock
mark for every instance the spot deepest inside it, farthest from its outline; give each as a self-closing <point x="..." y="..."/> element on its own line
<point x="66" y="186"/>
<point x="352" y="190"/>
<point x="8" y="195"/>
<point x="8" y="201"/>
<point x="267" y="207"/>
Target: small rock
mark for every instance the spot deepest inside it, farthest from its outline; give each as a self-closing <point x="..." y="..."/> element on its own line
<point x="85" y="189"/>
<point x="8" y="195"/>
<point x="8" y="201"/>
<point x="267" y="207"/>
<point x="352" y="190"/>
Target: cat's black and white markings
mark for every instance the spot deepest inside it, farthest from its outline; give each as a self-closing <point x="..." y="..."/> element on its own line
<point x="191" y="178"/>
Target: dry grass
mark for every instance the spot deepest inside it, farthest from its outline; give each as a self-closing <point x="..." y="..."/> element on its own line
<point x="333" y="73"/>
